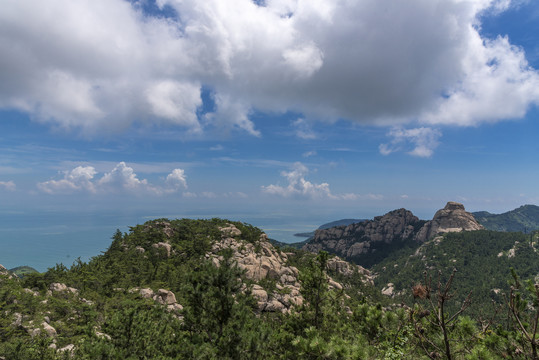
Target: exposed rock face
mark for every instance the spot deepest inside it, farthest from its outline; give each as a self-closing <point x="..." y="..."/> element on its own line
<point x="261" y="262"/>
<point x="69" y="349"/>
<point x="162" y="245"/>
<point x="45" y="328"/>
<point x="345" y="268"/>
<point x="18" y="320"/>
<point x="370" y="241"/>
<point x="59" y="287"/>
<point x="452" y="218"/>
<point x="358" y="241"/>
<point x="5" y="272"/>
<point x="230" y="231"/>
<point x="388" y="289"/>
<point x="164" y="226"/>
<point x="163" y="297"/>
<point x="264" y="261"/>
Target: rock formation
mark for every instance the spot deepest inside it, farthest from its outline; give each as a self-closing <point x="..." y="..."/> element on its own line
<point x="59" y="287"/>
<point x="162" y="296"/>
<point x="5" y="272"/>
<point x="452" y="218"/>
<point x="264" y="261"/>
<point x="338" y="265"/>
<point x="370" y="241"/>
<point x="359" y="241"/>
<point x="261" y="262"/>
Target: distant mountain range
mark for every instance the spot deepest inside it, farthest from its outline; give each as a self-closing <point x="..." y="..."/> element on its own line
<point x="309" y="235"/>
<point x="369" y="242"/>
<point x="328" y="225"/>
<point x="524" y="219"/>
<point x="399" y="249"/>
<point x="22" y="271"/>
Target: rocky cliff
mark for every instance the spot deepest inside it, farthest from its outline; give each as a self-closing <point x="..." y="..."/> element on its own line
<point x="452" y="218"/>
<point x="363" y="242"/>
<point x="263" y="262"/>
<point x="369" y="242"/>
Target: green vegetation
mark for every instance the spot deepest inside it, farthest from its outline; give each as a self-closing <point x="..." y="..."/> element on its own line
<point x="483" y="260"/>
<point x="125" y="303"/>
<point x="22" y="271"/>
<point x="524" y="219"/>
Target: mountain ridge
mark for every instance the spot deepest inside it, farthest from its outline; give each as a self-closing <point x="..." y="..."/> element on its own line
<point x="370" y="241"/>
<point x="524" y="218"/>
<point x="218" y="289"/>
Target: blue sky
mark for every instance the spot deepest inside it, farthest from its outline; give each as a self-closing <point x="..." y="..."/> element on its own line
<point x="284" y="113"/>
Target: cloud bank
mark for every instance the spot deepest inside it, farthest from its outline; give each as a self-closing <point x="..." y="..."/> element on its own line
<point x="120" y="179"/>
<point x="106" y="64"/>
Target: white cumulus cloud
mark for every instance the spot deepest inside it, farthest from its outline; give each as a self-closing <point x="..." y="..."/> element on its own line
<point x="121" y="178"/>
<point x="176" y="180"/>
<point x="101" y="64"/>
<point x="298" y="186"/>
<point x="78" y="179"/>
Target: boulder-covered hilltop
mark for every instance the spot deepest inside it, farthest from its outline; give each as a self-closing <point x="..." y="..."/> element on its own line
<point x="174" y="289"/>
<point x="369" y="242"/>
<point x="252" y="252"/>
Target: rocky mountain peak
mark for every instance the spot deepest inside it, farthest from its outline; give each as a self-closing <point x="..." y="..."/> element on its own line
<point x="452" y="206"/>
<point x="360" y="241"/>
<point x="452" y="218"/>
<point x="370" y="241"/>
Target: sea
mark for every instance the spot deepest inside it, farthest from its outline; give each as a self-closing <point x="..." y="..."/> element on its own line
<point x="42" y="239"/>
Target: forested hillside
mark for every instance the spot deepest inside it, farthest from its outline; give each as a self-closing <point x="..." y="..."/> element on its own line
<point x="524" y="219"/>
<point x="482" y="260"/>
<point x="217" y="289"/>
